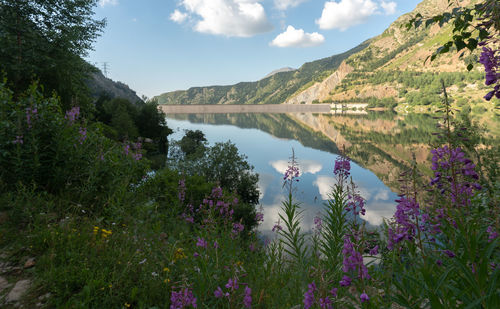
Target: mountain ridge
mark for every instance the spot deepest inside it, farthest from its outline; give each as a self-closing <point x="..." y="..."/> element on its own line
<point x="385" y="68"/>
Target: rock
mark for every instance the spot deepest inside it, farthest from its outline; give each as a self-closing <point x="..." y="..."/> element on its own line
<point x="44" y="296"/>
<point x="17" y="292"/>
<point x="29" y="263"/>
<point x="3" y="284"/>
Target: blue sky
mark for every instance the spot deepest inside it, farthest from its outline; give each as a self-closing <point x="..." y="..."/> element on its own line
<point x="156" y="46"/>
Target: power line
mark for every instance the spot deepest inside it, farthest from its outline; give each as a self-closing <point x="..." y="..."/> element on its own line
<point x="105" y="68"/>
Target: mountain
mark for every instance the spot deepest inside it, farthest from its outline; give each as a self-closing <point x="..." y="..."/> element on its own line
<point x="274" y="89"/>
<point x="386" y="71"/>
<point x="101" y="85"/>
<point x="286" y="69"/>
<point x="393" y="68"/>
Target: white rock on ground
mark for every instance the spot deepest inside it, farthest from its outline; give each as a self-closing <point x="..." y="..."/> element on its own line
<point x="17" y="292"/>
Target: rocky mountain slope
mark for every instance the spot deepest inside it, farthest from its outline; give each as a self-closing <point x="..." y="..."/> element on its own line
<point x="101" y="85"/>
<point x="274" y="89"/>
<point x="387" y="70"/>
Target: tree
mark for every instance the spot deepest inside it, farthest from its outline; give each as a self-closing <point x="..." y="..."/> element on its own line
<point x="225" y="165"/>
<point x="193" y="143"/>
<point x="46" y="40"/>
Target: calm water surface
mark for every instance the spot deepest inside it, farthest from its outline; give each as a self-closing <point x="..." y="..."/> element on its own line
<point x="270" y="155"/>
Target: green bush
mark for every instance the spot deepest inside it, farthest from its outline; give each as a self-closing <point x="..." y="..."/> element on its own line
<point x="63" y="155"/>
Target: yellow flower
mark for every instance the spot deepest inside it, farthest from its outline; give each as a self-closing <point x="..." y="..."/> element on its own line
<point x="179" y="254"/>
<point x="239" y="263"/>
<point x="166" y="269"/>
<point x="106" y="233"/>
<point x="166" y="281"/>
<point x="127" y="305"/>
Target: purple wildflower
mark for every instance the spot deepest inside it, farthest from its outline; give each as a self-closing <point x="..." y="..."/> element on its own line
<point x="374" y="250"/>
<point x="325" y="303"/>
<point x="259" y="217"/>
<point x="202" y="243"/>
<point x="364" y="297"/>
<point x="439" y="262"/>
<point x="247" y="299"/>
<point x="309" y="296"/>
<point x="232" y="284"/>
<point x="449" y="253"/>
<point x="492" y="234"/>
<point x="353" y="260"/>
<point x="72" y="114"/>
<point x="237" y="228"/>
<point x="491" y="63"/>
<point x="318" y="224"/>
<point x="182" y="190"/>
<point x="342" y="167"/>
<point x="356" y="204"/>
<point x="292" y="173"/>
<point x="334" y="292"/>
<point x="346" y="281"/>
<point x="219" y="293"/>
<point x="405" y="226"/>
<point x="454" y="174"/>
<point x="126" y="149"/>
<point x="83" y="134"/>
<point x="216" y="245"/>
<point x="18" y="140"/>
<point x="277" y="227"/>
<point x="216" y="192"/>
<point x="30" y="114"/>
<point x="182" y="299"/>
<point x="252" y="247"/>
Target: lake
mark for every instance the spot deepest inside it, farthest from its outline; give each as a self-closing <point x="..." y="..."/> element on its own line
<point x="267" y="139"/>
<point x="382" y="145"/>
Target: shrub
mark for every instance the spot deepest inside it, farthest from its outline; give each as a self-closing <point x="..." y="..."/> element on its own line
<point x="62" y="154"/>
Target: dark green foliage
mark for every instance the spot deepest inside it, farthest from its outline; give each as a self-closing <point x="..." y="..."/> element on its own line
<point x="193" y="144"/>
<point x="127" y="121"/>
<point x="228" y="167"/>
<point x="40" y="148"/>
<point x="46" y="40"/>
<point x="221" y="163"/>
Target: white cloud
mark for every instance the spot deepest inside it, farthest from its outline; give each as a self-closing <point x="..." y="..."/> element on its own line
<point x="325" y="186"/>
<point x="377" y="212"/>
<point x="178" y="16"/>
<point x="382" y="195"/>
<point x="285" y="4"/>
<point x="232" y="18"/>
<point x="389" y="7"/>
<point x="297" y="38"/>
<point x="346" y="13"/>
<point x="305" y="166"/>
<point x="103" y="3"/>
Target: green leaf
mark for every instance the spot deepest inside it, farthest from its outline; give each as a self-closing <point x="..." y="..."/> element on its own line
<point x="472" y="44"/>
<point x="460" y="44"/>
<point x="470" y="67"/>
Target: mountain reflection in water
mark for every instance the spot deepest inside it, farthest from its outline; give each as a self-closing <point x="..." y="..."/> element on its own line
<point x="381" y="145"/>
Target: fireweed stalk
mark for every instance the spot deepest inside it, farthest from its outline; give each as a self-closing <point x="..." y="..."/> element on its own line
<point x="341" y="243"/>
<point x="452" y="229"/>
<point x="291" y="216"/>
